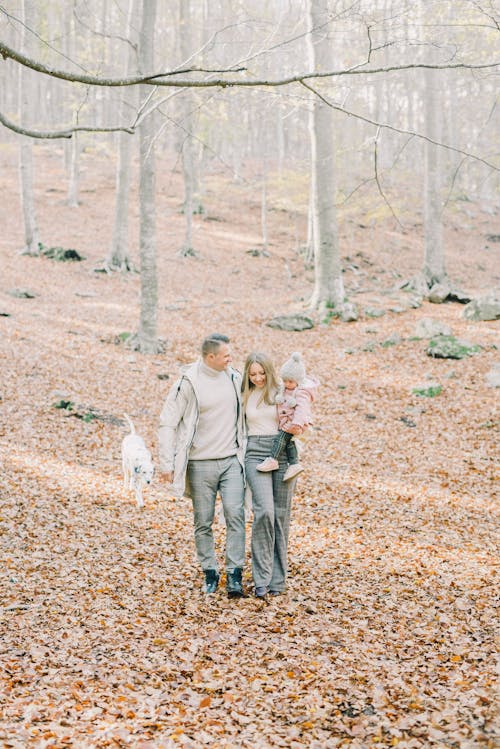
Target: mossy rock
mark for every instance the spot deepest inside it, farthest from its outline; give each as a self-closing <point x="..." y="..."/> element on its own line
<point x="374" y="312"/>
<point x="484" y="308"/>
<point x="291" y="322"/>
<point x="61" y="254"/>
<point x="22" y="293"/>
<point x="449" y="347"/>
<point x="428" y="391"/>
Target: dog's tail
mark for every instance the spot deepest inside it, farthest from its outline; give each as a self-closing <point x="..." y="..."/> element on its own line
<point x="130" y="423"/>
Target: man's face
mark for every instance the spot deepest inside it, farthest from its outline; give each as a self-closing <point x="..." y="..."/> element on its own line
<point x="221" y="359"/>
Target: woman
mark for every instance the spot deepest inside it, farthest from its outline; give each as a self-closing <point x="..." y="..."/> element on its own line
<point x="271" y="496"/>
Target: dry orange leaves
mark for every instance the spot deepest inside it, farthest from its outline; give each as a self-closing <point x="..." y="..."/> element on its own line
<point x="386" y="634"/>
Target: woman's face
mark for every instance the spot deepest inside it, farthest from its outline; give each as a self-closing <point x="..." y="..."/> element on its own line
<point x="257" y="375"/>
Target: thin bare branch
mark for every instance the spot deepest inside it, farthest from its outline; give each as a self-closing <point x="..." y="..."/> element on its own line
<point x="154" y="79"/>
<point x="492" y="18"/>
<point x="53" y="134"/>
<point x="142" y="111"/>
<point x="84" y="25"/>
<point x="452" y="182"/>
<point x="297" y="37"/>
<point x="403" y="131"/>
<point x="349" y="195"/>
<point x="464" y="159"/>
<point x="93" y="80"/>
<point x="41" y="39"/>
<point x="377" y="179"/>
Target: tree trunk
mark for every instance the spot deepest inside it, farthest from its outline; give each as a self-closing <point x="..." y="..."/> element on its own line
<point x="310" y="241"/>
<point x="118" y="257"/>
<point x="329" y="285"/>
<point x="71" y="147"/>
<point x="26" y="119"/>
<point x="74" y="173"/>
<point x="192" y="202"/>
<point x="187" y="169"/>
<point x="432" y="282"/>
<point x="434" y="263"/>
<point x="263" y="211"/>
<point x="147" y="336"/>
<point x="280" y="137"/>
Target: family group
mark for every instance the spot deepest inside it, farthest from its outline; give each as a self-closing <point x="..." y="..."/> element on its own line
<point x="222" y="433"/>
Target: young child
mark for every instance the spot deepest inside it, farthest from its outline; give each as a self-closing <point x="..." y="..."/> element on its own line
<point x="294" y="415"/>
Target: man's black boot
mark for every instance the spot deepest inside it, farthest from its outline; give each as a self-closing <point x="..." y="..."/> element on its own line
<point x="211" y="581"/>
<point x="233" y="583"/>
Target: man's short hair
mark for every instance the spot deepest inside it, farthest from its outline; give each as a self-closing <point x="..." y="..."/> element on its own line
<point x="212" y="343"/>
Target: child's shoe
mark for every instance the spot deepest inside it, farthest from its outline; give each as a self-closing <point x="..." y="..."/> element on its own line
<point x="269" y="464"/>
<point x="292" y="471"/>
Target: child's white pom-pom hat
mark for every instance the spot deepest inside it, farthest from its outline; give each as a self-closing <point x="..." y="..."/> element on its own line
<point x="294" y="369"/>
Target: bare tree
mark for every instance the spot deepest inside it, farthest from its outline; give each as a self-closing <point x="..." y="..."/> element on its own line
<point x="374" y="41"/>
<point x="434" y="271"/>
<point x="26" y="168"/>
<point x="74" y="172"/>
<point x="433" y="281"/>
<point x="187" y="122"/>
<point x="328" y="284"/>
<point x="147" y="338"/>
<point x="118" y="256"/>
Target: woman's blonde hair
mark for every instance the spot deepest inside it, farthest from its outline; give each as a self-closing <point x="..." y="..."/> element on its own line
<point x="270" y="388"/>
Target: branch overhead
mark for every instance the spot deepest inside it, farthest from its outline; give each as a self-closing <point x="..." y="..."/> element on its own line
<point x="402" y="131"/>
<point x="54" y="134"/>
<point x="171" y="78"/>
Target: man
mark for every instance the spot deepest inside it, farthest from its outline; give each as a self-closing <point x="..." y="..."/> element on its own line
<point x="201" y="453"/>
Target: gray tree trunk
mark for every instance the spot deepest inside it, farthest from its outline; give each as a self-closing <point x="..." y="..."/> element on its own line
<point x="192" y="203"/>
<point x="26" y="119"/>
<point x="118" y="257"/>
<point x="189" y="180"/>
<point x="329" y="285"/>
<point x="310" y="243"/>
<point x="74" y="173"/>
<point x="432" y="281"/>
<point x="71" y="147"/>
<point x="280" y="137"/>
<point x="263" y="211"/>
<point x="147" y="336"/>
<point x="434" y="263"/>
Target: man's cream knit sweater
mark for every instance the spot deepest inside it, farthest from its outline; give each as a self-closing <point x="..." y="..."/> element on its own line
<point x="216" y="432"/>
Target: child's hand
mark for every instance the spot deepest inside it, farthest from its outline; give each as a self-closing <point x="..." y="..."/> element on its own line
<point x="295" y="429"/>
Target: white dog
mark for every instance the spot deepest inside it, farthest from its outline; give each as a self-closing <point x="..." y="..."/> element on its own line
<point x="137" y="464"/>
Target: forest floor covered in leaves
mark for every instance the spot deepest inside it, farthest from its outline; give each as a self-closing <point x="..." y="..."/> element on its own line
<point x="385" y="636"/>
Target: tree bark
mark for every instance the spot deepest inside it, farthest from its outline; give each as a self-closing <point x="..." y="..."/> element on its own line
<point x="263" y="210"/>
<point x="434" y="263"/>
<point x="74" y="172"/>
<point x="71" y="148"/>
<point x="118" y="257"/>
<point x="192" y="203"/>
<point x="329" y="285"/>
<point x="432" y="282"/>
<point x="147" y="336"/>
<point x="26" y="167"/>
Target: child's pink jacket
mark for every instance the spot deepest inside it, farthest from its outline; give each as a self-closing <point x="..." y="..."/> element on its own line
<point x="296" y="405"/>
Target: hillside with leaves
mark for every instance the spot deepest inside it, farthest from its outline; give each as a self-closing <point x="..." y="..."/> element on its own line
<point x="385" y="636"/>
